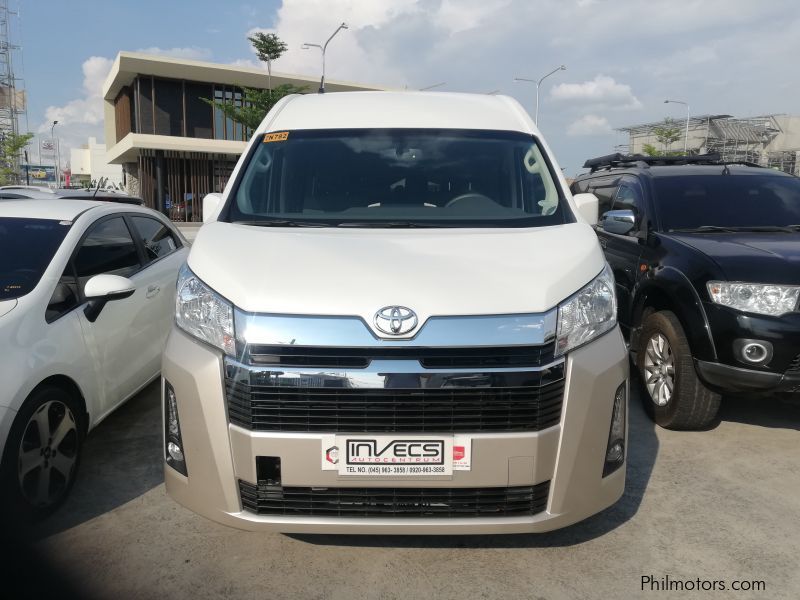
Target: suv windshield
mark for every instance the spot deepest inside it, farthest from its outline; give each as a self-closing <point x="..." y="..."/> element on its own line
<point x="397" y="178"/>
<point x="26" y="248"/>
<point x="727" y="201"/>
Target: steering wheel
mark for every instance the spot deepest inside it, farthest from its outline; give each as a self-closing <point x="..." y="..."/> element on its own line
<point x="471" y="198"/>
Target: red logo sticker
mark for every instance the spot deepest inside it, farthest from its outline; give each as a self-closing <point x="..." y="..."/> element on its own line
<point x="459" y="453"/>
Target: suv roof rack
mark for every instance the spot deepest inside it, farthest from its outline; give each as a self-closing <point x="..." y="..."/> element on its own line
<point x="644" y="161"/>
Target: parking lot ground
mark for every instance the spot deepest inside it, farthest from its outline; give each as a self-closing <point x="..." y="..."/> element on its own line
<point x="719" y="505"/>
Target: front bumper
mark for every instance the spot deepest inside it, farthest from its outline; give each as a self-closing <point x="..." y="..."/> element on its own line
<point x="570" y="455"/>
<point x="730" y="373"/>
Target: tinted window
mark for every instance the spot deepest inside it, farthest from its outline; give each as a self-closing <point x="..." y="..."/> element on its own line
<point x="727" y="200"/>
<point x="108" y="248"/>
<point x="604" y="189"/>
<point x="157" y="238"/>
<point x="26" y="248"/>
<point x="400" y="177"/>
<point x="629" y="196"/>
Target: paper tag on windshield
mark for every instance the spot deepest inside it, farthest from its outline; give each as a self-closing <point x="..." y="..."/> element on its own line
<point x="278" y="136"/>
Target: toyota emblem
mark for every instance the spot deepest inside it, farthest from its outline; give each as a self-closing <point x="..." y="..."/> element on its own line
<point x="395" y="320"/>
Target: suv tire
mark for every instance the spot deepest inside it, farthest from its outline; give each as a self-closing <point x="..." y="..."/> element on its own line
<point x="50" y="463"/>
<point x="664" y="359"/>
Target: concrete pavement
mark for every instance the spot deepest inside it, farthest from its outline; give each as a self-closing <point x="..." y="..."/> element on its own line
<point x="719" y="505"/>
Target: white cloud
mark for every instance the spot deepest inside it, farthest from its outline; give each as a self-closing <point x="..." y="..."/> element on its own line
<point x="82" y="117"/>
<point x="600" y="91"/>
<point x="589" y="125"/>
<point x="190" y="53"/>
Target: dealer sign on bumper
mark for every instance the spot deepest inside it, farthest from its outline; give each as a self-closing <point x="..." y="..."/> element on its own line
<point x="392" y="456"/>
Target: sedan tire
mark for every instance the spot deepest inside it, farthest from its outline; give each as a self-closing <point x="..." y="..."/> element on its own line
<point x="42" y="453"/>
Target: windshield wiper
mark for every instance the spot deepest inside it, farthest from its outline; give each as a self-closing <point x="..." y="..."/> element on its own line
<point x="394" y="224"/>
<point x="284" y="223"/>
<point x="753" y="228"/>
<point x="705" y="229"/>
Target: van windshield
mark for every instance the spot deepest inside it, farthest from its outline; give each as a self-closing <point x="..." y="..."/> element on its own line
<point x="397" y="178"/>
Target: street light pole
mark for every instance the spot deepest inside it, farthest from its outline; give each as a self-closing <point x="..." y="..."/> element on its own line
<point x="323" y="48"/>
<point x="686" y="135"/>
<point x="538" y="83"/>
<point x="56" y="156"/>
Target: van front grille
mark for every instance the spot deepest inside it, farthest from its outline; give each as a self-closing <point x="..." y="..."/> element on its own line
<point x="529" y="401"/>
<point x="517" y="501"/>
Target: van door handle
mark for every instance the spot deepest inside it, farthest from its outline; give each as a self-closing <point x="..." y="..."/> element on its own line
<point x="152" y="291"/>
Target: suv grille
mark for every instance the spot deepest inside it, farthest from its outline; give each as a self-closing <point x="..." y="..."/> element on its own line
<point x="395" y="502"/>
<point x="528" y="401"/>
<point x="794" y="366"/>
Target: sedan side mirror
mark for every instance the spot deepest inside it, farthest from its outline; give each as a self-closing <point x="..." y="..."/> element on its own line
<point x="101" y="289"/>
<point x="620" y="222"/>
<point x="587" y="205"/>
<point x="211" y="204"/>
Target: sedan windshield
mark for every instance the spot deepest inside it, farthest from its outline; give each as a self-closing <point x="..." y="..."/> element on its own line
<point x="397" y="178"/>
<point x="26" y="248"/>
<point x="728" y="202"/>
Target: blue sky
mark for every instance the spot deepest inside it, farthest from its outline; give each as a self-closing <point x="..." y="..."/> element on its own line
<point x="623" y="57"/>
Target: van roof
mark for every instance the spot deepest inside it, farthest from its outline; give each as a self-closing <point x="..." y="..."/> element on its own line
<point x="389" y="110"/>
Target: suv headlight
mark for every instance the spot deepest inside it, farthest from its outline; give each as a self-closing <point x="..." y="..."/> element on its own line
<point x="587" y="314"/>
<point x="203" y="313"/>
<point x="758" y="298"/>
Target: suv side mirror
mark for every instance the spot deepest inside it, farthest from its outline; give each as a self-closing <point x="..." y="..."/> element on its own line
<point x="101" y="289"/>
<point x="587" y="205"/>
<point x="211" y="204"/>
<point x="619" y="222"/>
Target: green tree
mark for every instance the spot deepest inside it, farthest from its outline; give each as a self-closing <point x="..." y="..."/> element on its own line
<point x="268" y="47"/>
<point x="667" y="133"/>
<point x="258" y="102"/>
<point x="11" y="144"/>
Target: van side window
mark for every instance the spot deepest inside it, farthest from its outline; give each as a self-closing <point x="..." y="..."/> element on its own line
<point x="156" y="237"/>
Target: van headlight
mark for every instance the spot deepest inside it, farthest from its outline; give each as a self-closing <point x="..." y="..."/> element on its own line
<point x="203" y="313"/>
<point x="587" y="314"/>
<point x="757" y="298"/>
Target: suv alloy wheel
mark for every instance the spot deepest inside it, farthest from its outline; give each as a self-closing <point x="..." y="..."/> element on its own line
<point x="676" y="398"/>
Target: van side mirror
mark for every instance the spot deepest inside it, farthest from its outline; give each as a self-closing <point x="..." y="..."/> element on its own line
<point x="211" y="204"/>
<point x="101" y="289"/>
<point x="619" y="222"/>
<point x="587" y="205"/>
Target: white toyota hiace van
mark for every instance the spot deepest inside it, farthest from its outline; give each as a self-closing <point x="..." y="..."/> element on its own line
<point x="396" y="319"/>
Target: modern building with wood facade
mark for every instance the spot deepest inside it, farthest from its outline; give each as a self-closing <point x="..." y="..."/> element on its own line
<point x="175" y="147"/>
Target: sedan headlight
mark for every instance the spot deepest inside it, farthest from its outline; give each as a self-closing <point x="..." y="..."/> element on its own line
<point x="588" y="314"/>
<point x="203" y="313"/>
<point x="758" y="298"/>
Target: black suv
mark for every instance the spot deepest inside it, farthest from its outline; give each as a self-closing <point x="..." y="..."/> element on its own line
<point x="706" y="257"/>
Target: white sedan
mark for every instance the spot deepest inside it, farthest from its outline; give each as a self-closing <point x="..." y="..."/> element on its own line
<point x="87" y="295"/>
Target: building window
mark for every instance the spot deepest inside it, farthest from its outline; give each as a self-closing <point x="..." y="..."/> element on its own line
<point x="224" y="127"/>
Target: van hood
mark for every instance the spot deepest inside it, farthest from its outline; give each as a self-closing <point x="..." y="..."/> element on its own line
<point x="356" y="272"/>
<point x="6" y="306"/>
<point x="757" y="257"/>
